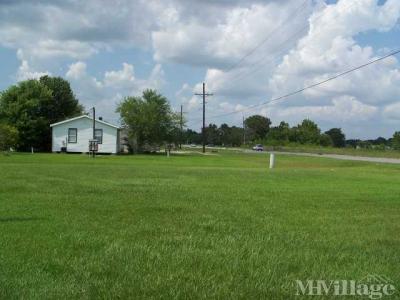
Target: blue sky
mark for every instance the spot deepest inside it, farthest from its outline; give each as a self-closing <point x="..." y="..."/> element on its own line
<point x="112" y="49"/>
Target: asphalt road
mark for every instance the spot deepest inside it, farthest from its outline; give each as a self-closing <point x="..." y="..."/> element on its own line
<point x="334" y="156"/>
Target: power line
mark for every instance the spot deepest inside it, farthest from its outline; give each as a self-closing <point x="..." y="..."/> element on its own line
<point x="290" y="17"/>
<point x="260" y="63"/>
<point x="310" y="86"/>
<point x="236" y="77"/>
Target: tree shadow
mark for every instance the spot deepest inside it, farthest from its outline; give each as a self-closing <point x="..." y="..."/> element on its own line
<point x="19" y="219"/>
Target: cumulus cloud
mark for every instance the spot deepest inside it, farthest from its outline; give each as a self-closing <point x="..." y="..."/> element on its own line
<point x="328" y="46"/>
<point x="120" y="78"/>
<point x="106" y="92"/>
<point x="304" y="42"/>
<point x="392" y="111"/>
<point x="220" y="40"/>
<point x="76" y="70"/>
<point x="74" y="29"/>
<point x="342" y="109"/>
<point x="25" y="72"/>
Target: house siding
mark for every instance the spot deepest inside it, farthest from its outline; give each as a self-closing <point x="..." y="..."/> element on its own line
<point x="85" y="133"/>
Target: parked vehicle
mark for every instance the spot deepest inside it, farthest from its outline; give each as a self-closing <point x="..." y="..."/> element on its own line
<point x="258" y="147"/>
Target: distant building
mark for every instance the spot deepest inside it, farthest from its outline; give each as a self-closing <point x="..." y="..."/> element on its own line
<point x="73" y="135"/>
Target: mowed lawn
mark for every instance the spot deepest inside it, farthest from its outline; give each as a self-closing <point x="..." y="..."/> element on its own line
<point x="191" y="226"/>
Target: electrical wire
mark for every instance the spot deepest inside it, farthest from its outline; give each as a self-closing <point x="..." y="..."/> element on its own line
<point x="393" y="53"/>
<point x="266" y="39"/>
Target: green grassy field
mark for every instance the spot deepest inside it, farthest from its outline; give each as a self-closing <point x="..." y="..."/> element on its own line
<point x="216" y="226"/>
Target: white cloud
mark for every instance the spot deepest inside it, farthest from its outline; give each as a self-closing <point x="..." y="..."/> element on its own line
<point x="342" y="109"/>
<point x="25" y="72"/>
<point x="392" y="111"/>
<point x="229" y="107"/>
<point x="220" y="40"/>
<point x="156" y="79"/>
<point x="309" y="46"/>
<point x="50" y="49"/>
<point x="120" y="78"/>
<point x="328" y="48"/>
<point x="74" y="29"/>
<point x="105" y="93"/>
<point x="76" y="70"/>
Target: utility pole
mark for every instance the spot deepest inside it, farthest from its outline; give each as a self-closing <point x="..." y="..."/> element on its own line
<point x="244" y="132"/>
<point x="94" y="128"/>
<point x="181" y="123"/>
<point x="94" y="122"/>
<point x="204" y="94"/>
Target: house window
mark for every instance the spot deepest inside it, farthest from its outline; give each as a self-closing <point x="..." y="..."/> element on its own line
<point x="72" y="135"/>
<point x="98" y="135"/>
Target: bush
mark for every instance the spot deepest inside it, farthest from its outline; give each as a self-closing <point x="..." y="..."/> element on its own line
<point x="396" y="140"/>
<point x="8" y="137"/>
<point x="325" y="140"/>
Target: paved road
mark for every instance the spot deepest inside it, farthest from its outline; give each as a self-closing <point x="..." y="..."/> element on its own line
<point x="334" y="156"/>
<point x="348" y="157"/>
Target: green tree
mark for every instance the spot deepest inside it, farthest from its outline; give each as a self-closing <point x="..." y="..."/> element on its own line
<point x="235" y="136"/>
<point x="225" y="134"/>
<point x="191" y="137"/>
<point x="149" y="120"/>
<point x="23" y="106"/>
<point x="32" y="105"/>
<point x="337" y="136"/>
<point x="257" y="127"/>
<point x="279" y="133"/>
<point x="325" y="140"/>
<point x="396" y="140"/>
<point x="8" y="137"/>
<point x="64" y="104"/>
<point x="213" y="135"/>
<point x="380" y="141"/>
<point x="230" y="136"/>
<point x="306" y="133"/>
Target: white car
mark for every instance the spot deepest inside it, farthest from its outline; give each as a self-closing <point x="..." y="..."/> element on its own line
<point x="258" y="147"/>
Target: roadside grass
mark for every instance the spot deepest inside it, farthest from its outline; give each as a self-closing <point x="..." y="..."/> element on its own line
<point x="220" y="226"/>
<point x="389" y="153"/>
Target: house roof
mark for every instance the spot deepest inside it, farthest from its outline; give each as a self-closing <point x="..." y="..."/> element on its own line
<point x="81" y="117"/>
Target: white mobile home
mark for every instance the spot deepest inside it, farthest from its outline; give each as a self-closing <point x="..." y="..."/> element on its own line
<point x="73" y="135"/>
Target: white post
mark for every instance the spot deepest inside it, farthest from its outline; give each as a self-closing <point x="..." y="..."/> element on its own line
<point x="32" y="150"/>
<point x="167" y="152"/>
<point x="271" y="160"/>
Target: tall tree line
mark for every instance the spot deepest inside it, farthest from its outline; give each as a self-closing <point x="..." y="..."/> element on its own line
<point x="258" y="129"/>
